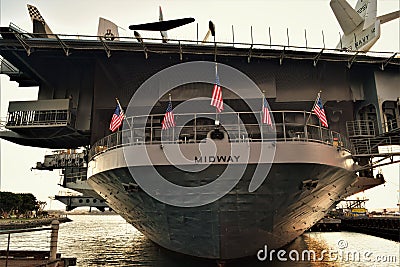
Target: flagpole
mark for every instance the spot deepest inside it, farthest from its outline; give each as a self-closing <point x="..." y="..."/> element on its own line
<point x="262" y="104"/>
<point x="216" y="110"/>
<point x="262" y="114"/>
<point x="173" y="128"/>
<point x="315" y="102"/>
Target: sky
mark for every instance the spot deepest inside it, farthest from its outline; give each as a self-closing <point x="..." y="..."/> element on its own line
<point x="81" y="17"/>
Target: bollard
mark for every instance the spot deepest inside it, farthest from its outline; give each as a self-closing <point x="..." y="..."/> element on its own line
<point x="55" y="225"/>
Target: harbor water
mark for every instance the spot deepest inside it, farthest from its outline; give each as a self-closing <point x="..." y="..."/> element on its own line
<point x="107" y="240"/>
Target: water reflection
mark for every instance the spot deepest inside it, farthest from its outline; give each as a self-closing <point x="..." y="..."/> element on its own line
<point x="99" y="240"/>
<point x="354" y="249"/>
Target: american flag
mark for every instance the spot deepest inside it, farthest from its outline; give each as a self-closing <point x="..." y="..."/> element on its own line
<point x="168" y="120"/>
<point x="318" y="109"/>
<point x="266" y="116"/>
<point x="216" y="99"/>
<point x="117" y="118"/>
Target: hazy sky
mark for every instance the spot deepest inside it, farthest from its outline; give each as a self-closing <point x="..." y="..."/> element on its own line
<point x="81" y="17"/>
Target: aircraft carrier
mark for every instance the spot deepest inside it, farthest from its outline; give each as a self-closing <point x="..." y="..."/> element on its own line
<point x="309" y="171"/>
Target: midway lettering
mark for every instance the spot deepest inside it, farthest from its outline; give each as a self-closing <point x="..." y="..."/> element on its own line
<point x="220" y="158"/>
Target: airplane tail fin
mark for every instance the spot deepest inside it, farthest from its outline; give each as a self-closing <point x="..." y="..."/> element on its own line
<point x="107" y="30"/>
<point x="366" y="10"/>
<point x="360" y="25"/>
<point x="347" y="17"/>
<point x="368" y="13"/>
<point x="362" y="7"/>
<point x="40" y="26"/>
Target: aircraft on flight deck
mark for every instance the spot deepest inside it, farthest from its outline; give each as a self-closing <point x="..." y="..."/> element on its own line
<point x="39" y="24"/>
<point x="106" y="28"/>
<point x="162" y="26"/>
<point x="360" y="25"/>
<point x="211" y="30"/>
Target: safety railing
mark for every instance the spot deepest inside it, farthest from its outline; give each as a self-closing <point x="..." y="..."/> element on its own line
<point x="39" y="118"/>
<point x="289" y="126"/>
<point x="7" y="68"/>
<point x="3" y="122"/>
<point x="284" y="45"/>
<point x="391" y="125"/>
<point x="68" y="42"/>
<point x="75" y="176"/>
<point x="370" y="146"/>
<point x="13" y="255"/>
<point x="360" y="128"/>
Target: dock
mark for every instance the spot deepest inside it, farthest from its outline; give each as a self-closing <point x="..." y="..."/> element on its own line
<point x="11" y="224"/>
<point x="29" y="258"/>
<point x="327" y="225"/>
<point x="383" y="226"/>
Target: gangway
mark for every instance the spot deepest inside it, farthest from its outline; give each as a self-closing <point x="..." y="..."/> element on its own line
<point x="368" y="146"/>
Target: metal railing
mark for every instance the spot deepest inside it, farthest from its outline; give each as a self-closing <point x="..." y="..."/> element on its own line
<point x="75" y="176"/>
<point x="14" y="257"/>
<point x="297" y="126"/>
<point x="7" y="68"/>
<point x="283" y="44"/>
<point x="369" y="146"/>
<point x="391" y="125"/>
<point x="39" y="118"/>
<point x="68" y="42"/>
<point x="3" y="122"/>
<point x="360" y="128"/>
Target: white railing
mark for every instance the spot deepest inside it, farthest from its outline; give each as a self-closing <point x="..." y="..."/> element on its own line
<point x="289" y="126"/>
<point x="38" y="118"/>
<point x="68" y="41"/>
<point x="360" y="128"/>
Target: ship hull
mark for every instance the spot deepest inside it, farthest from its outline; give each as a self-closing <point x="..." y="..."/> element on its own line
<point x="240" y="223"/>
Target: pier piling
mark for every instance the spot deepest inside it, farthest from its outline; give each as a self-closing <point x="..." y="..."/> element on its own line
<point x="55" y="225"/>
<point x="27" y="258"/>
